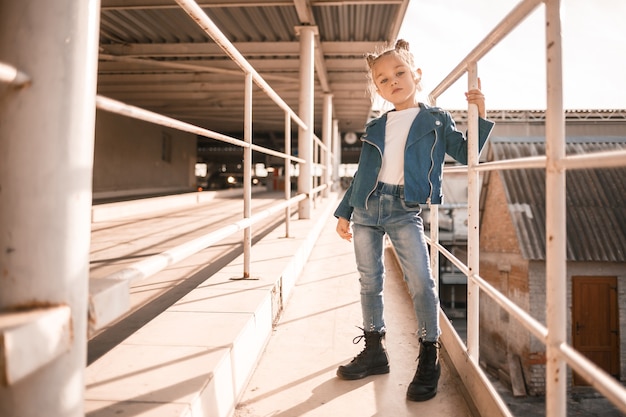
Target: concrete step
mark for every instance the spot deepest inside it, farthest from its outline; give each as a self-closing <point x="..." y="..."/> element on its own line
<point x="196" y="357"/>
<point x="32" y="338"/>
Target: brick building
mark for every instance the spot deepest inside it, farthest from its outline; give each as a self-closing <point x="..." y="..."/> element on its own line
<point x="512" y="257"/>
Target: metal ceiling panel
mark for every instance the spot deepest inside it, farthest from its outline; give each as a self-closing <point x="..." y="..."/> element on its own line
<point x="153" y="55"/>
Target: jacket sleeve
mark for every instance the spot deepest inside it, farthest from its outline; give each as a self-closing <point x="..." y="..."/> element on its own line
<point x="456" y="142"/>
<point x="344" y="209"/>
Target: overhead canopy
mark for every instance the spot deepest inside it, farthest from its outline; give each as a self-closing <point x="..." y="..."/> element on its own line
<point x="153" y="55"/>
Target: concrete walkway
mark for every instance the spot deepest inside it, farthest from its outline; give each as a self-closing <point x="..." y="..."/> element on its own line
<point x="270" y="344"/>
<point x="296" y="374"/>
<point x="200" y="344"/>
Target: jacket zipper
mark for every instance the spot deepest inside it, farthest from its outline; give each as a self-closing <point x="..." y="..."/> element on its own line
<point x="381" y="161"/>
<point x="430" y="170"/>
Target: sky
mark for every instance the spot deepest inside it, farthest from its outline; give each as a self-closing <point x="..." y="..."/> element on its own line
<point x="513" y="74"/>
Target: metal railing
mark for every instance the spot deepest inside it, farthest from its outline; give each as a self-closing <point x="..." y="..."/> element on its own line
<point x="11" y="75"/>
<point x="555" y="162"/>
<point x="322" y="154"/>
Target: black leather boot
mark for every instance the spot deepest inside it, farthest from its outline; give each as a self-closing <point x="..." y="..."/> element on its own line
<point x="372" y="360"/>
<point x="424" y="384"/>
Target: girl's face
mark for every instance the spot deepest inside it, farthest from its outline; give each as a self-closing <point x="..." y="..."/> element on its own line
<point x="395" y="82"/>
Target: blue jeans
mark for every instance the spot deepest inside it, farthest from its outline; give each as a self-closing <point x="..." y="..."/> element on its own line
<point x="388" y="213"/>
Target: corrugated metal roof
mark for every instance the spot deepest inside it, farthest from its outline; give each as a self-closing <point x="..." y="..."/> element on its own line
<point x="596" y="200"/>
<point x="141" y="39"/>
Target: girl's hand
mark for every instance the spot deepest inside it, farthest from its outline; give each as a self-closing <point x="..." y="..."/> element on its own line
<point x="343" y="229"/>
<point x="476" y="97"/>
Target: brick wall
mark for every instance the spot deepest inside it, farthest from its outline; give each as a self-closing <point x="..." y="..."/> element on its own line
<point x="502" y="265"/>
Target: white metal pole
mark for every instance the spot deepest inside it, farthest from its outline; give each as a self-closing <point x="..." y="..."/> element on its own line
<point x="327" y="122"/>
<point x="315" y="170"/>
<point x="305" y="136"/>
<point x="287" y="172"/>
<point x="337" y="156"/>
<point x="247" y="174"/>
<point x="473" y="240"/>
<point x="556" y="237"/>
<point x="46" y="164"/>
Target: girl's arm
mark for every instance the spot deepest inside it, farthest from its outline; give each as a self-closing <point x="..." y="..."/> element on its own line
<point x="456" y="141"/>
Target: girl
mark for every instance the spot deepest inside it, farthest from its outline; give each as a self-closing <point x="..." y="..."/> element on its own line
<point x="400" y="168"/>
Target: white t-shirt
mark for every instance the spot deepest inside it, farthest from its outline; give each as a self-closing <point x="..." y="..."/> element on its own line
<point x="397" y="130"/>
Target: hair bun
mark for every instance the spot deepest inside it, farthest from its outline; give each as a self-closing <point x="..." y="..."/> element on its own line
<point x="402" y="44"/>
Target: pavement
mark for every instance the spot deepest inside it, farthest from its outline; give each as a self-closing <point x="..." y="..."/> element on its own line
<point x="295" y="376"/>
<point x="268" y="345"/>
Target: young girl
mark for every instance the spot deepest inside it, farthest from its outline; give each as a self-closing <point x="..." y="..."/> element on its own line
<point x="400" y="169"/>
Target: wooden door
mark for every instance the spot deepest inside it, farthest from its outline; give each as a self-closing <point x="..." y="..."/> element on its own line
<point x="595" y="322"/>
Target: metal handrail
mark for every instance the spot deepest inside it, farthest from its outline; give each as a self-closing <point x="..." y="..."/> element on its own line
<point x="605" y="159"/>
<point x="11" y="75"/>
<point x="555" y="163"/>
<point x="114" y="106"/>
<point x="154" y="264"/>
<point x="199" y="16"/>
<point x="504" y="28"/>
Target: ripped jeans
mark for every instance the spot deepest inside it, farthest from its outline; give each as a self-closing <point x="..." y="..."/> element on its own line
<point x="387" y="213"/>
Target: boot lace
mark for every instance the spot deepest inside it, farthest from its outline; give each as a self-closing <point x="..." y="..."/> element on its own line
<point x="424" y="370"/>
<point x="360" y="337"/>
<point x="365" y="352"/>
<point x="436" y="344"/>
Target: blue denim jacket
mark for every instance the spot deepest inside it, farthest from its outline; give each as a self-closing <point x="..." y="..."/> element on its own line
<point x="432" y="134"/>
